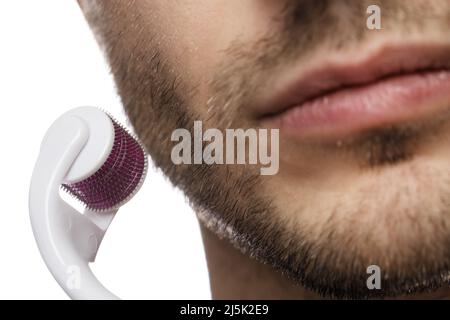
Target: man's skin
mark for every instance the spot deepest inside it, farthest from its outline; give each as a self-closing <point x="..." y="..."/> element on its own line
<point x="348" y="194"/>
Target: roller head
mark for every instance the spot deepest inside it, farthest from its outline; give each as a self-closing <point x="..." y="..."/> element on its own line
<point x="117" y="179"/>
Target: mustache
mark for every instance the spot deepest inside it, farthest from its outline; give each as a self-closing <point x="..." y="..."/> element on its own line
<point x="307" y="23"/>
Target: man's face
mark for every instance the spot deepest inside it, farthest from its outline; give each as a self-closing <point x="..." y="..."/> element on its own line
<point x="364" y="173"/>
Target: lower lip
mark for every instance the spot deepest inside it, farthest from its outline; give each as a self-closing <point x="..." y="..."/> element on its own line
<point x="386" y="102"/>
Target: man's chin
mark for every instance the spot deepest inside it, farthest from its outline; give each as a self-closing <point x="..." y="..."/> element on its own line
<point x="396" y="219"/>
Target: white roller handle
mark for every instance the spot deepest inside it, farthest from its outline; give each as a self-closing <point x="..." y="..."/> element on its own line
<point x="67" y="239"/>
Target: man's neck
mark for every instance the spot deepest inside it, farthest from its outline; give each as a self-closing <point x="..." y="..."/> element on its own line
<point x="234" y="275"/>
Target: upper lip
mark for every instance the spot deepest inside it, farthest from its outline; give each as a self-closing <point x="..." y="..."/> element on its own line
<point x="345" y="71"/>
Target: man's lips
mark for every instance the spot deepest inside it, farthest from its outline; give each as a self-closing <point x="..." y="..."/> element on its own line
<point x="390" y="86"/>
<point x="397" y="99"/>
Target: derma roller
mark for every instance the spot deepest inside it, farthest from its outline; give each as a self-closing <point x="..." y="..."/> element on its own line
<point x="88" y="154"/>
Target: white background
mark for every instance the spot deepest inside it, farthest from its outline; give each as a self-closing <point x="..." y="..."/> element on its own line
<point x="49" y="63"/>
